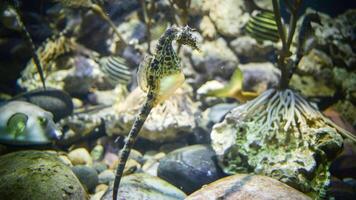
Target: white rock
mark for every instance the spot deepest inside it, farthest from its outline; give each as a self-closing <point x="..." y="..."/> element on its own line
<point x="80" y="156"/>
<point x="228" y="16"/>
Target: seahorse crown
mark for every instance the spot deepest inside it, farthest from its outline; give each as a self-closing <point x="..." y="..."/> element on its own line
<point x="185" y="37"/>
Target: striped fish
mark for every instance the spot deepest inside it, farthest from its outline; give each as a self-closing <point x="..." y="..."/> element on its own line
<point x="116" y="69"/>
<point x="262" y="26"/>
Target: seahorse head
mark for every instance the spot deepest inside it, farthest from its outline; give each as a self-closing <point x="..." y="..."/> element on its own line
<point x="185" y="37"/>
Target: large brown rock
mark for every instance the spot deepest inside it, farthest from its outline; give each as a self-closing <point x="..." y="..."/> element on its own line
<point x="37" y="175"/>
<point x="247" y="187"/>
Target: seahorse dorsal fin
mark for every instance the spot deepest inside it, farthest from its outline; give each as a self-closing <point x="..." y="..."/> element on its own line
<point x="142" y="73"/>
<point x="16" y="124"/>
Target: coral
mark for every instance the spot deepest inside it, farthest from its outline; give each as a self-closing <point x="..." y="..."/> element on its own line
<point x="281" y="135"/>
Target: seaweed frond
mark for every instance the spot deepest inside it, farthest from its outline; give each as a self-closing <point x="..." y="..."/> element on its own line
<point x="30" y="43"/>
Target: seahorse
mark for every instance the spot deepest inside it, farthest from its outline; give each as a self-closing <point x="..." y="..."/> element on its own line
<point x="159" y="76"/>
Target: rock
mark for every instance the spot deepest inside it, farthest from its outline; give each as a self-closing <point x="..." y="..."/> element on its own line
<point x="347" y="80"/>
<point x="341" y="191"/>
<point x="336" y="34"/>
<point x="97" y="152"/>
<point x="351" y="182"/>
<point x="217" y="113"/>
<point x="215" y="59"/>
<point x="142" y="186"/>
<point x="266" y="4"/>
<point x="258" y="77"/>
<point x="37" y="175"/>
<point x="249" y="50"/>
<point x="316" y="63"/>
<point x="65" y="160"/>
<point x="228" y="16"/>
<point x="100" y="167"/>
<point x="131" y="166"/>
<point x="132" y="29"/>
<point x="83" y="74"/>
<point x="190" y="167"/>
<point x="207" y="28"/>
<point x="77" y="103"/>
<point x="203" y="91"/>
<point x="58" y="102"/>
<point x="133" y="55"/>
<point x="151" y="165"/>
<point x="246" y="142"/>
<point x="247" y="187"/>
<point x="341" y="122"/>
<point x="344" y="167"/>
<point x="110" y="159"/>
<point x="97" y="196"/>
<point x="198" y="7"/>
<point x="136" y="155"/>
<point x="162" y="124"/>
<point x="74" y="74"/>
<point x="107" y="97"/>
<point x="101" y="187"/>
<point x="106" y="177"/>
<point x="311" y="86"/>
<point x="347" y="110"/>
<point x="80" y="156"/>
<point x="168" y="147"/>
<point x="87" y="176"/>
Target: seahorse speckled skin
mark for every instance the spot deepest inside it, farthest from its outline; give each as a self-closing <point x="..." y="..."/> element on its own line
<point x="159" y="76"/>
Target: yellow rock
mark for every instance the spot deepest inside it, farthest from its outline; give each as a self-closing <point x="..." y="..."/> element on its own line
<point x="247" y="187"/>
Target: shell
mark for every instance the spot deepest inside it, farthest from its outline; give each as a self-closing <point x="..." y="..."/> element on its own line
<point x="262" y="26"/>
<point x="116" y="69"/>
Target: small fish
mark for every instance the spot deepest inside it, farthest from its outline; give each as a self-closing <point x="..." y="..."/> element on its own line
<point x="116" y="69"/>
<point x="25" y="123"/>
<point x="234" y="89"/>
<point x="262" y="26"/>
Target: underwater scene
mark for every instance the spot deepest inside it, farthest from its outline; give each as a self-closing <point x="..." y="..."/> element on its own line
<point x="177" y="99"/>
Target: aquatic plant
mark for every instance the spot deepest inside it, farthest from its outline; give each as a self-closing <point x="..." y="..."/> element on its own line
<point x="280" y="133"/>
<point x="13" y="9"/>
<point x="159" y="76"/>
<point x="181" y="8"/>
<point x="148" y="8"/>
<point x="296" y="107"/>
<point x="50" y="49"/>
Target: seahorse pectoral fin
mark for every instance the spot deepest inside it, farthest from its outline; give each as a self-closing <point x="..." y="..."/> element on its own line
<point x="142" y="72"/>
<point x="169" y="84"/>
